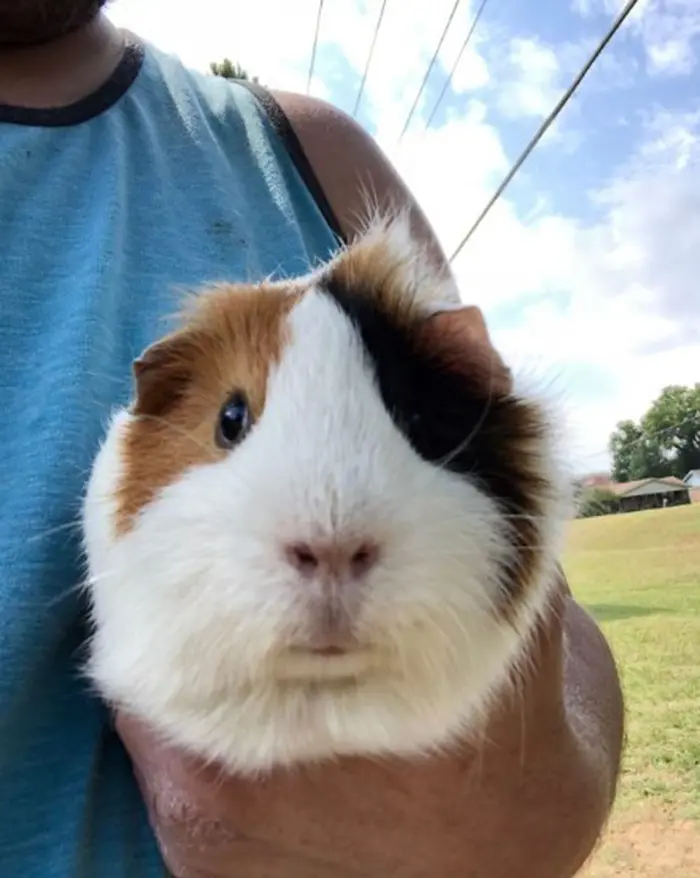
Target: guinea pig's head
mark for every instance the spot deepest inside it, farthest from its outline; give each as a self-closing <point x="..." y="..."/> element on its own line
<point x="326" y="523"/>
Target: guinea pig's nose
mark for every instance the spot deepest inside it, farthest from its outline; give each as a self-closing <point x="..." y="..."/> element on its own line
<point x="351" y="559"/>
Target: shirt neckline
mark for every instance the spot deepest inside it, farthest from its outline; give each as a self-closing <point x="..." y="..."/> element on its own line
<point x="92" y="105"/>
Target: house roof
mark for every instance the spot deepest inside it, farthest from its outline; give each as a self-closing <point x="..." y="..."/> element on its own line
<point x="690" y="473"/>
<point x="622" y="488"/>
<point x="595" y="480"/>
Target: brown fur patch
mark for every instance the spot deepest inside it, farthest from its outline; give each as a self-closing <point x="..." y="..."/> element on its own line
<point x="367" y="268"/>
<point x="378" y="262"/>
<point x="461" y="339"/>
<point x="230" y="338"/>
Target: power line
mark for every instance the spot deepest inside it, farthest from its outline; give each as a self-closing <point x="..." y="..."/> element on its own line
<point x="429" y="70"/>
<point x="547" y="122"/>
<point x="653" y="434"/>
<point x="369" y="58"/>
<point x="315" y="46"/>
<point x="452" y="72"/>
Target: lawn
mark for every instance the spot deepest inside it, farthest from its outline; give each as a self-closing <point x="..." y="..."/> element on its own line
<point x="639" y="574"/>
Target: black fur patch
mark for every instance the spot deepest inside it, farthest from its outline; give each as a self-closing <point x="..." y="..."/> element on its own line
<point x="453" y="421"/>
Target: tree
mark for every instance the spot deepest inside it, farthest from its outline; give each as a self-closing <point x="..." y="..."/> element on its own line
<point x="229" y="69"/>
<point x="665" y="442"/>
<point x="622" y="446"/>
<point x="636" y="454"/>
<point x="674" y="418"/>
<point x="598" y="501"/>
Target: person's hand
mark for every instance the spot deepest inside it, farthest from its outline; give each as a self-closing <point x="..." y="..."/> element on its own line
<point x="527" y="801"/>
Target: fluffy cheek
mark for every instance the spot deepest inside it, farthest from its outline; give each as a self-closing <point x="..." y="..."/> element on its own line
<point x="191" y="602"/>
<point x="435" y="601"/>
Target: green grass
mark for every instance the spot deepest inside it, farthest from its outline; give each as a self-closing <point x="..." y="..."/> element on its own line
<point x="639" y="574"/>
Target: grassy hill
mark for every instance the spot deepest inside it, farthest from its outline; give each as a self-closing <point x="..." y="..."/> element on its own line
<point x="639" y="574"/>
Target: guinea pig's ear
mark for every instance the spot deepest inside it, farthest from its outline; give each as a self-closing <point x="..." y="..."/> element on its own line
<point x="163" y="372"/>
<point x="459" y="334"/>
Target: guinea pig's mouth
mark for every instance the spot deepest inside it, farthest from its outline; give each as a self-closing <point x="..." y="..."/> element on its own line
<point x="328" y="651"/>
<point x="325" y="662"/>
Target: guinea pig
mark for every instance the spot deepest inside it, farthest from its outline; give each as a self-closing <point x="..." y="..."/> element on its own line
<point x="326" y="524"/>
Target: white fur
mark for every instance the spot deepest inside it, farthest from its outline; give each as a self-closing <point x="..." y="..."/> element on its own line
<point x="196" y="608"/>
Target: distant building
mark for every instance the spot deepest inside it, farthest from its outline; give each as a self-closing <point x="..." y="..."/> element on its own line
<point x="650" y="493"/>
<point x="595" y="480"/>
<point x="692" y="480"/>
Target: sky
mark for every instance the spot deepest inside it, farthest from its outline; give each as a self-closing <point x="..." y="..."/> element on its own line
<point x="588" y="267"/>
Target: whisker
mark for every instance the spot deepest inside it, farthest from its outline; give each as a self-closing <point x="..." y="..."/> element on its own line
<point x="54" y="601"/>
<point x="445" y="462"/>
<point x="52" y="531"/>
<point x="177" y="429"/>
<point x="479" y="424"/>
<point x="521" y="516"/>
<point x="442" y="464"/>
<point x="106" y="376"/>
<point x="100" y="577"/>
<point x="74" y="589"/>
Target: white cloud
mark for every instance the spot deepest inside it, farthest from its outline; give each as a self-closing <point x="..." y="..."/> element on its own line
<point x="466" y="145"/>
<point x="671" y="56"/>
<point x="584" y="8"/>
<point x="668" y="29"/>
<point x="611" y="8"/>
<point x="622" y="290"/>
<point x="533" y="82"/>
<point x="472" y="71"/>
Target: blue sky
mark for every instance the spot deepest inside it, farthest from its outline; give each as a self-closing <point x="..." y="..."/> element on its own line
<point x="587" y="267"/>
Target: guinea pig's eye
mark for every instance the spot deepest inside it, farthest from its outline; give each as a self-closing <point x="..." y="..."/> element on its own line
<point x="234" y="421"/>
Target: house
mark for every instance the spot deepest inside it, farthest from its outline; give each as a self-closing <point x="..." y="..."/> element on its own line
<point x="595" y="480"/>
<point x="650" y="493"/>
<point x="692" y="480"/>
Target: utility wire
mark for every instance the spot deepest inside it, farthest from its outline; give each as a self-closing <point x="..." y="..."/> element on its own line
<point x="429" y="70"/>
<point x="547" y="122"/>
<point x="369" y="59"/>
<point x="653" y="434"/>
<point x="315" y="46"/>
<point x="463" y="49"/>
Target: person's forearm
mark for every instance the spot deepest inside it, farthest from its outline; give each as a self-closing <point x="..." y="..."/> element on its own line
<point x="593" y="695"/>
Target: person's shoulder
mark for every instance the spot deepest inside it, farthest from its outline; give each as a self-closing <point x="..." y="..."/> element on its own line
<point x="349" y="163"/>
<point x="351" y="167"/>
<point x="326" y="124"/>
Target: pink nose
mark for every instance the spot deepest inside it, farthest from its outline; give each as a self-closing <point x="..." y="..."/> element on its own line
<point x="345" y="560"/>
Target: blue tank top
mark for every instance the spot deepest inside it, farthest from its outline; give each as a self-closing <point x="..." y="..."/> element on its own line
<point x="162" y="179"/>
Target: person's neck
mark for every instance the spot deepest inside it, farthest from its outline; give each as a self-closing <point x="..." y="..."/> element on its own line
<point x="61" y="72"/>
